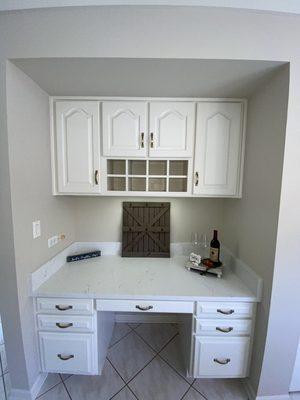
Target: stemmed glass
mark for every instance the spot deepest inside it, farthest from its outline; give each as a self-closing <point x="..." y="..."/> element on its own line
<point x="199" y="244"/>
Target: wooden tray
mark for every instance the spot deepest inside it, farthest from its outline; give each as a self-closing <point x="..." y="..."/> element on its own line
<point x="146" y="229"/>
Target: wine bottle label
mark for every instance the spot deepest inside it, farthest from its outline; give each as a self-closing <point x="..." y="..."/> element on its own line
<point x="214" y="254"/>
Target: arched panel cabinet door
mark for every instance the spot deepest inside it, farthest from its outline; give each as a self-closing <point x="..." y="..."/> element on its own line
<point x="219" y="146"/>
<point x="172" y="129"/>
<point x="124" y="128"/>
<point x="77" y="146"/>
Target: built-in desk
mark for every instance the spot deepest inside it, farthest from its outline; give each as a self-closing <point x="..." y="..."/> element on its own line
<point x="75" y="311"/>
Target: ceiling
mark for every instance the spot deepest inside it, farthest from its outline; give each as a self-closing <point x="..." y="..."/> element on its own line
<point x="147" y="77"/>
<point x="285" y="6"/>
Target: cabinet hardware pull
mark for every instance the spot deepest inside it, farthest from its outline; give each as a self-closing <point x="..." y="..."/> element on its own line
<point x="224" y="330"/>
<point x="63" y="308"/>
<point x="144" y="308"/>
<point x="65" y="358"/>
<point x="222" y="362"/>
<point x="151" y="140"/>
<point x="96" y="177"/>
<point x="63" y="326"/>
<point x="142" y="140"/>
<point x="226" y="312"/>
<point x="196" y="178"/>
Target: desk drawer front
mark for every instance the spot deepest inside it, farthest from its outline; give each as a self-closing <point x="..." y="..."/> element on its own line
<point x="64" y="306"/>
<point x="222" y="327"/>
<point x="145" y="306"/>
<point x="66" y="353"/>
<point x="224" y="310"/>
<point x="219" y="357"/>
<point x="65" y="323"/>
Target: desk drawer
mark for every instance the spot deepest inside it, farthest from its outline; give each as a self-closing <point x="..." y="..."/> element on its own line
<point x="65" y="323"/>
<point x="224" y="310"/>
<point x="221" y="357"/>
<point x="222" y="327"/>
<point x="70" y="353"/>
<point x="65" y="306"/>
<point x="184" y="307"/>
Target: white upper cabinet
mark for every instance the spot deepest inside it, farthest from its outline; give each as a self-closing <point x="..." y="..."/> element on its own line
<point x="219" y="146"/>
<point x="124" y="126"/>
<point x="77" y="140"/>
<point x="172" y="129"/>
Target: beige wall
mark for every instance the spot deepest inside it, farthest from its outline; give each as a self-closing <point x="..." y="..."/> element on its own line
<point x="29" y="144"/>
<point x="250" y="224"/>
<point x="178" y="32"/>
<point x="100" y="219"/>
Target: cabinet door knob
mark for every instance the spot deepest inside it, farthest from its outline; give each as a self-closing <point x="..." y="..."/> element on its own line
<point x="96" y="177"/>
<point x="142" y="140"/>
<point x="147" y="308"/>
<point x="63" y="308"/>
<point x="152" y="140"/>
<point x="63" y="326"/>
<point x="226" y="312"/>
<point x="65" y="358"/>
<point x="222" y="362"/>
<point x="224" y="330"/>
<point x="196" y="178"/>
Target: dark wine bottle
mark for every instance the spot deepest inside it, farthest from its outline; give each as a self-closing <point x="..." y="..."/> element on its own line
<point x="214" y="253"/>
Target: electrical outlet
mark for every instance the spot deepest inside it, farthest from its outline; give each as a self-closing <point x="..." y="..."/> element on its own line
<point x="36" y="229"/>
<point x="53" y="241"/>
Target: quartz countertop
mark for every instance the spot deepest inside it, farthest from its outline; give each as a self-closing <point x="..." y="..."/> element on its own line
<point x="114" y="277"/>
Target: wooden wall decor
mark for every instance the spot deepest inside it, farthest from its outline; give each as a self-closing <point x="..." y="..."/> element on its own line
<point x="146" y="229"/>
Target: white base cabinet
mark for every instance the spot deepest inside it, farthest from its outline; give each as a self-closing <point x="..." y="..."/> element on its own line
<point x="93" y="138"/>
<point x="74" y="343"/>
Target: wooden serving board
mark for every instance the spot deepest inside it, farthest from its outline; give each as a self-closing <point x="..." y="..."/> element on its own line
<point x="146" y="229"/>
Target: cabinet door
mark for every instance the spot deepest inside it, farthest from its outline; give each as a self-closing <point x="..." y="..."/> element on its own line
<point x="218" y="149"/>
<point x="78" y="146"/>
<point x="172" y="126"/>
<point x="124" y="124"/>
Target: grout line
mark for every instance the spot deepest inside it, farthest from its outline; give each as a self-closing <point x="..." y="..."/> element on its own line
<point x="122" y="380"/>
<point x="157" y="351"/>
<point x="123" y="337"/>
<point x="185" y="393"/>
<point x="66" y="390"/>
<point x="132" y="392"/>
<point x="198" y="391"/>
<point x="52" y="387"/>
<point x="174" y="369"/>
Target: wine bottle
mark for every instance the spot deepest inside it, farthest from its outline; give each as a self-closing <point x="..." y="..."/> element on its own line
<point x="214" y="253"/>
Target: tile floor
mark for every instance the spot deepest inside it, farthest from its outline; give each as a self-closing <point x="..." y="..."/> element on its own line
<point x="143" y="363"/>
<point x="4" y="374"/>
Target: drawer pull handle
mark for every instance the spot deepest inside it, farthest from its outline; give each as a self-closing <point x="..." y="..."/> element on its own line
<point x="144" y="308"/>
<point x="226" y="312"/>
<point x="224" y="330"/>
<point x="65" y="358"/>
<point x="63" y="308"/>
<point x="222" y="362"/>
<point x="63" y="326"/>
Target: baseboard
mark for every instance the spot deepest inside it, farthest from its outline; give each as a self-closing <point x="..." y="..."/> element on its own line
<point x="18" y="394"/>
<point x="295" y="395"/>
<point x="36" y="387"/>
<point x="276" y="397"/>
<point x="140" y="318"/>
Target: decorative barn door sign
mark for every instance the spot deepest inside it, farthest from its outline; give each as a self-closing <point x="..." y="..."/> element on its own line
<point x="146" y="229"/>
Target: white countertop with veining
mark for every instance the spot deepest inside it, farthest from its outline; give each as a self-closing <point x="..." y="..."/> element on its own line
<point x="114" y="277"/>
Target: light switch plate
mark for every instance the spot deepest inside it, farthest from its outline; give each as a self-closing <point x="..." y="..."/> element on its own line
<point x="36" y="229"/>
